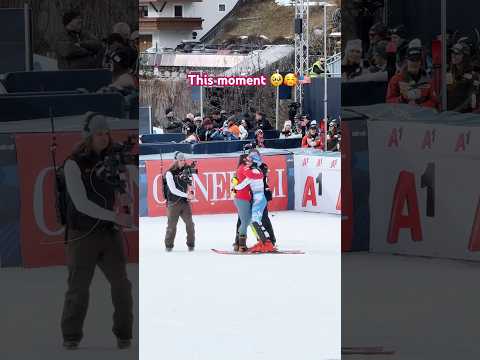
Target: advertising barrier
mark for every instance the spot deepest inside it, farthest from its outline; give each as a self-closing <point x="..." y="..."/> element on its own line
<point x="10" y="251"/>
<point x="41" y="237"/>
<point x="425" y="193"/>
<point x="355" y="184"/>
<point x="318" y="183"/>
<point x="212" y="184"/>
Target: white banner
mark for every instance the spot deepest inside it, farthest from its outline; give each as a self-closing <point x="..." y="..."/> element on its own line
<point x="317" y="183"/>
<point x="424" y="189"/>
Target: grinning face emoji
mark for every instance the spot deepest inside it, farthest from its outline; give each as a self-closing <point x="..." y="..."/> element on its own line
<point x="276" y="80"/>
<point x="290" y="80"/>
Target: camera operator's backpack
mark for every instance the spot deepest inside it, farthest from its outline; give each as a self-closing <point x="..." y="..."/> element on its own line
<point x="61" y="196"/>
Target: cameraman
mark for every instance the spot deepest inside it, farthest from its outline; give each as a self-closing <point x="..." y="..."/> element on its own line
<point x="178" y="194"/>
<point x="93" y="236"/>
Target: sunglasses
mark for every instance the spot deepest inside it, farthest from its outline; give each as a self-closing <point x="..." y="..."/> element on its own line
<point x="414" y="58"/>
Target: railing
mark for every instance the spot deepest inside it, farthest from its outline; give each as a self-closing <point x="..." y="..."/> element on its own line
<point x="334" y="65"/>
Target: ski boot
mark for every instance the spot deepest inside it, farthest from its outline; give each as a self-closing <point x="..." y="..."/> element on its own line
<point x="70" y="344"/>
<point x="257" y="248"/>
<point x="242" y="243"/>
<point x="268" y="247"/>
<point x="236" y="246"/>
<point x="124" y="344"/>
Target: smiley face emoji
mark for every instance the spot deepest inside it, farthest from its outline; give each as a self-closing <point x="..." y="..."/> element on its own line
<point x="276" y="79"/>
<point x="290" y="80"/>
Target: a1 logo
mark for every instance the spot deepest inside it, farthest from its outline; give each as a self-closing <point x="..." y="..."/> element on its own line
<point x="405" y="196"/>
<point x="311" y="192"/>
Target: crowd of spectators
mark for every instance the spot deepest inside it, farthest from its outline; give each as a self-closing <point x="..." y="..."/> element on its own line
<point x="413" y="69"/>
<point x="235" y="125"/>
<point x="76" y="49"/>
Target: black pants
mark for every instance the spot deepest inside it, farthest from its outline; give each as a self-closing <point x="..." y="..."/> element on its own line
<point x="265" y="222"/>
<point x="105" y="248"/>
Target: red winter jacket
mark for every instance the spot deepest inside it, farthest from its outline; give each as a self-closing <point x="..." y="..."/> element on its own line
<point x="243" y="194"/>
<point x="422" y="92"/>
<point x="319" y="143"/>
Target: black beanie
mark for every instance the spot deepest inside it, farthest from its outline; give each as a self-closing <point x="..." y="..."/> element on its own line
<point x="69" y="16"/>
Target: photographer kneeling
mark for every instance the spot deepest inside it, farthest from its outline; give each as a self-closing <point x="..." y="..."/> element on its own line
<point x="178" y="194"/>
<point x="94" y="235"/>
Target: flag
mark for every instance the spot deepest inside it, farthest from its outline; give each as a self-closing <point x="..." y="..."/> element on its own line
<point x="304" y="79"/>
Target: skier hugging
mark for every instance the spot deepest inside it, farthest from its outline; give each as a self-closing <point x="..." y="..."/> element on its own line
<point x="250" y="187"/>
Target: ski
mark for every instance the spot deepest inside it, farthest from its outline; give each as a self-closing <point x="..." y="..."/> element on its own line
<point x="284" y="252"/>
<point x="367" y="350"/>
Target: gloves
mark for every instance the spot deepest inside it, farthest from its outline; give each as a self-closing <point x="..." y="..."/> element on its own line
<point x="234" y="183"/>
<point x="414" y="94"/>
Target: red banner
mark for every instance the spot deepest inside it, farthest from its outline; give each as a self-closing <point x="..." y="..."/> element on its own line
<point x="212" y="185"/>
<point x="41" y="237"/>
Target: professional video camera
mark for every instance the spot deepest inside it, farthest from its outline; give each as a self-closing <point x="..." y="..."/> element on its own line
<point x="292" y="110"/>
<point x="113" y="168"/>
<point x="188" y="171"/>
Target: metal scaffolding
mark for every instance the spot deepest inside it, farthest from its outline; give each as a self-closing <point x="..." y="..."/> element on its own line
<point x="301" y="44"/>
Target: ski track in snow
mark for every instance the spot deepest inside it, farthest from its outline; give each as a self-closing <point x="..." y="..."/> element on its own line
<point x="207" y="306"/>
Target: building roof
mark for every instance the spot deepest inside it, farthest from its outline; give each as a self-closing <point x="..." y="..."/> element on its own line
<point x="260" y="59"/>
<point x="195" y="60"/>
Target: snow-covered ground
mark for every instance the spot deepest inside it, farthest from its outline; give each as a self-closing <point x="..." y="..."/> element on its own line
<point x="31" y="302"/>
<point x="422" y="308"/>
<point x="206" y="306"/>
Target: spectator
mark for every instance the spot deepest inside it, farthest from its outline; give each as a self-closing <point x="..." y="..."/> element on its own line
<point x="115" y="41"/>
<point x="378" y="32"/>
<point x="187" y="122"/>
<point x="197" y="121"/>
<point x="217" y="119"/>
<point x="223" y="116"/>
<point x="303" y="125"/>
<point x="170" y="124"/>
<point x="352" y="61"/>
<point x="411" y="85"/>
<point x="259" y="139"/>
<point x="313" y="138"/>
<point x="243" y="129"/>
<point x="133" y="41"/>
<point x="77" y="49"/>
<point x="191" y="135"/>
<point x="206" y="130"/>
<point x="238" y="115"/>
<point x="397" y="47"/>
<point x="123" y="29"/>
<point x="380" y="64"/>
<point x="460" y="79"/>
<point x="287" y="130"/>
<point x="191" y="117"/>
<point x="232" y="127"/>
<point x="262" y="121"/>
<point x="333" y="136"/>
<point x="134" y="44"/>
<point x="247" y="118"/>
<point x="122" y="77"/>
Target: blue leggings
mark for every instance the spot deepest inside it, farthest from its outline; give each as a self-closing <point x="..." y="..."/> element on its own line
<point x="259" y="203"/>
<point x="245" y="215"/>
